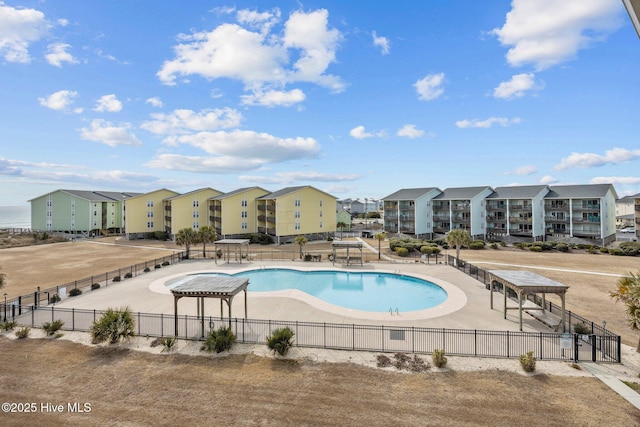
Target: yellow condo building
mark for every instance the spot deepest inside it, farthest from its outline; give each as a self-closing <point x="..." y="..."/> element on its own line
<point x="189" y="210"/>
<point x="233" y="214"/>
<point x="145" y="213"/>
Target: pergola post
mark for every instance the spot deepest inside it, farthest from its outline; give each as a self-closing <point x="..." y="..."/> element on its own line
<point x="175" y="315"/>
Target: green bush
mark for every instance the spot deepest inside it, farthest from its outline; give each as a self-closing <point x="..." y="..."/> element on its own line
<point x="161" y="235"/>
<point x="403" y="252"/>
<point x="129" y="275"/>
<point x="147" y="269"/>
<point x="477" y="244"/>
<point x="55" y="298"/>
<point x="168" y="343"/>
<point x="280" y="341"/>
<point x="494" y="246"/>
<point x="219" y="340"/>
<point x="615" y="251"/>
<point x="75" y="292"/>
<point x="439" y="358"/>
<point x="7" y="326"/>
<point x="535" y="248"/>
<point x="23" y="332"/>
<point x="95" y="286"/>
<point x="528" y="362"/>
<point x="116" y="278"/>
<point x="308" y="257"/>
<point x="581" y="328"/>
<point x="604" y="250"/>
<point x="562" y="247"/>
<point x="115" y="325"/>
<point x="427" y="249"/>
<point x="157" y="266"/>
<point x="52" y="327"/>
<point x="166" y="263"/>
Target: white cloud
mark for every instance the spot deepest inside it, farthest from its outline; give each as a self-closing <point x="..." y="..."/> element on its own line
<point x="410" y="131"/>
<point x="524" y="170"/>
<point x="616" y="180"/>
<point x="382" y="42"/>
<point x="430" y="87"/>
<point x="589" y="160"/>
<point x="476" y="123"/>
<point x="18" y="28"/>
<point x="108" y="103"/>
<point x="516" y="87"/>
<point x="184" y="121"/>
<point x="548" y="32"/>
<point x="203" y="164"/>
<point x="57" y="54"/>
<point x="273" y="98"/>
<point x="260" y="59"/>
<point x="106" y="133"/>
<point x="155" y="102"/>
<point x="286" y="178"/>
<point x="59" y="100"/>
<point x="548" y="179"/>
<point x="359" y="132"/>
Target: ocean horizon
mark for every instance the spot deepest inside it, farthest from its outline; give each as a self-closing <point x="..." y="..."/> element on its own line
<point x="15" y="216"/>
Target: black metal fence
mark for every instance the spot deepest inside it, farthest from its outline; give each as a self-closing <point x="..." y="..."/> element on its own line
<point x="374" y="338"/>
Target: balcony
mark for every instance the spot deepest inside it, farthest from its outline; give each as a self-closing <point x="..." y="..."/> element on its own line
<point x="495" y="207"/>
<point x="461" y="220"/>
<point x="391" y="216"/>
<point x="440" y="229"/>
<point x="552" y="219"/>
<point x="407" y="218"/>
<point x="407" y="230"/>
<point x="461" y="208"/>
<point x="520" y="220"/>
<point x="557" y="206"/>
<point x="586" y="207"/>
<point x="215" y="208"/>
<point x="215" y="218"/>
<point x="591" y="219"/>
<point x="518" y="232"/>
<point x="515" y="208"/>
<point x="167" y="218"/>
<point x="439" y="207"/>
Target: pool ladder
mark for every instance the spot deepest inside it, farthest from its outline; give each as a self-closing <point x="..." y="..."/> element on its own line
<point x="391" y="311"/>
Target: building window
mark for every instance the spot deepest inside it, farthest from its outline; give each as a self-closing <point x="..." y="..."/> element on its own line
<point x="149" y="224"/>
<point x="149" y="214"/>
<point x="196" y="203"/>
<point x="320" y="224"/>
<point x="95" y="213"/>
<point x="196" y="225"/>
<point x="320" y="214"/>
<point x="245" y="214"/>
<point x="320" y="202"/>
<point x="297" y="226"/>
<point x="245" y="225"/>
<point x="296" y="214"/>
<point x="244" y="204"/>
<point x="196" y="214"/>
<point x="296" y="202"/>
<point x="150" y="203"/>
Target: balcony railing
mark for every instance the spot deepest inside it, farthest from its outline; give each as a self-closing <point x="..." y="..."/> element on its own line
<point x="595" y="219"/>
<point x="520" y="220"/>
<point x="551" y="230"/>
<point x="527" y="208"/>
<point x="586" y="207"/>
<point x="556" y="206"/>
<point x="215" y="208"/>
<point x="555" y="219"/>
<point x="491" y="207"/>
<point x="407" y="230"/>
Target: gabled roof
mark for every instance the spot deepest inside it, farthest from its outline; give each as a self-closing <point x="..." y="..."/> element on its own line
<point x="461" y="193"/>
<point x="580" y="191"/>
<point x="95" y="196"/>
<point x="629" y="199"/>
<point x="238" y="191"/>
<point x="518" y="192"/>
<point x="175" y="193"/>
<point x="177" y="196"/>
<point x="288" y="190"/>
<point x="410" y="193"/>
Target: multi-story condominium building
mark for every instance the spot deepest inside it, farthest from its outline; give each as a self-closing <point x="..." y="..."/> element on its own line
<point x="637" y="213"/>
<point x="626" y="210"/>
<point x="295" y="211"/>
<point x="344" y="217"/>
<point x="234" y="213"/>
<point x="461" y="208"/>
<point x="409" y="211"/>
<point x="584" y="211"/>
<point x="79" y="212"/>
<point x="145" y="213"/>
<point x="189" y="210"/>
<point x="516" y="211"/>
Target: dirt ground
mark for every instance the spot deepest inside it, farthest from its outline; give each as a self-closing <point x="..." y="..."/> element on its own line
<point x="125" y="387"/>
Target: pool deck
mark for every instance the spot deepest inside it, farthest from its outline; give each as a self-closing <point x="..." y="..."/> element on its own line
<point x="467" y="305"/>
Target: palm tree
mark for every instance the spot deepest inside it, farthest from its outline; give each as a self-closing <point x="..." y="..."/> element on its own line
<point x="301" y="241"/>
<point x="341" y="225"/>
<point x="628" y="291"/>
<point x="206" y="234"/>
<point x="380" y="237"/>
<point x="186" y="237"/>
<point x="458" y="238"/>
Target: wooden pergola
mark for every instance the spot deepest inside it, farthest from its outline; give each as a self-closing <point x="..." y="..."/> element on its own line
<point x="524" y="283"/>
<point x="209" y="286"/>
<point x="343" y="244"/>
<point x="227" y="244"/>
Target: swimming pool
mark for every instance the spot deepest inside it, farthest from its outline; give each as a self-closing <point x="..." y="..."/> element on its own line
<point x="366" y="291"/>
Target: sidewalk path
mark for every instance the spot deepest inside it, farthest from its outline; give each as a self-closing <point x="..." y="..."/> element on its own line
<point x="374" y="250"/>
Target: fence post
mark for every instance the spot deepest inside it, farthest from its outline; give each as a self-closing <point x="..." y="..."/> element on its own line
<point x="541" y="346"/>
<point x="508" y="352"/>
<point x="353" y="336"/>
<point x="619" y="352"/>
<point x="593" y="347"/>
<point x="138" y="323"/>
<point x="52" y="314"/>
<point x="73" y="319"/>
<point x="475" y="342"/>
<point x="33" y="316"/>
<point x="162" y="326"/>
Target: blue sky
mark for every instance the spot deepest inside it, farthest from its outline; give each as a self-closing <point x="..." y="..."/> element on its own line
<point x="356" y="98"/>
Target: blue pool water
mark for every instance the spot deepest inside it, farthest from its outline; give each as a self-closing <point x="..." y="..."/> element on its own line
<point x="367" y="291"/>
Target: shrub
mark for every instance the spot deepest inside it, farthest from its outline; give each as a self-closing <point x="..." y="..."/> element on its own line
<point x="95" y="286"/>
<point x="604" y="250"/>
<point x="581" y="328"/>
<point x="562" y="247"/>
<point x="615" y="251"/>
<point x="114" y="325"/>
<point x="116" y="278"/>
<point x="477" y="244"/>
<point x="403" y="252"/>
<point x="494" y="246"/>
<point x="52" y="327"/>
<point x="147" y="269"/>
<point x="166" y="263"/>
<point x="219" y="340"/>
<point x="157" y="266"/>
<point x="129" y="275"/>
<point x="168" y="343"/>
<point x="307" y="257"/>
<point x="75" y="292"/>
<point x="7" y="326"/>
<point x="535" y="248"/>
<point x="23" y="332"/>
<point x="55" y="298"/>
<point x="280" y="341"/>
<point x="439" y="358"/>
<point x="383" y="361"/>
<point x="428" y="249"/>
<point x="528" y="362"/>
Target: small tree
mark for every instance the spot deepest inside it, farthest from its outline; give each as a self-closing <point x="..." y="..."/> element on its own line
<point x="301" y="241"/>
<point x="219" y="340"/>
<point x="280" y="341"/>
<point x="206" y="234"/>
<point x="341" y="225"/>
<point x="186" y="237"/>
<point x="628" y="291"/>
<point x="458" y="238"/>
<point x="380" y="237"/>
<point x="114" y="326"/>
